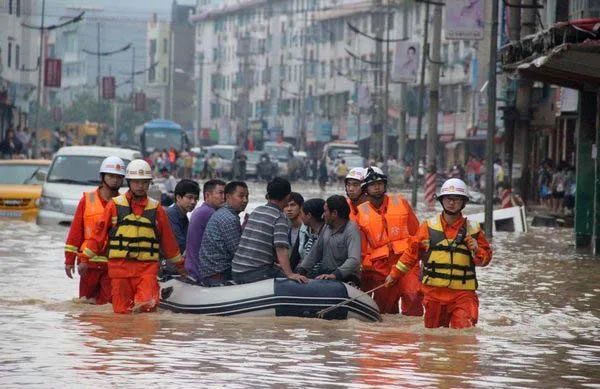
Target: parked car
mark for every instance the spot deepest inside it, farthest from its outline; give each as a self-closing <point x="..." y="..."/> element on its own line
<point x="74" y="170"/>
<point x="252" y="160"/>
<point x="21" y="186"/>
<point x="227" y="154"/>
<point x="282" y="153"/>
<point x="354" y="160"/>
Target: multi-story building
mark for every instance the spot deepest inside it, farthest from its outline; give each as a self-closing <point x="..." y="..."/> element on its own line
<point x="308" y="70"/>
<point x="157" y="62"/>
<point x="19" y="51"/>
<point x="65" y="43"/>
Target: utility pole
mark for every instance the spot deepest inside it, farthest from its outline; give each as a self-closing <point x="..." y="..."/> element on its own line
<point x="434" y="86"/>
<point x="424" y="55"/>
<point x="514" y="34"/>
<point x="376" y="142"/>
<point x="403" y="113"/>
<point x="171" y="69"/>
<point x="386" y="101"/>
<point x="98" y="82"/>
<point x="523" y="103"/>
<point x="39" y="83"/>
<point x="198" y="109"/>
<point x="133" y="76"/>
<point x="491" y="125"/>
<point x="302" y="136"/>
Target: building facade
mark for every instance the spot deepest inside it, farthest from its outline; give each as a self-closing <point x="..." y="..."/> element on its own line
<point x="19" y="51"/>
<point x="310" y="72"/>
<point x="157" y="62"/>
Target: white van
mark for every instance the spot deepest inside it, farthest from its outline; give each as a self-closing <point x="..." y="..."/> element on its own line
<point x="74" y="170"/>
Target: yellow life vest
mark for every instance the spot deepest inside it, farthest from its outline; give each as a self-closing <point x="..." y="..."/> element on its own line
<point x="92" y="214"/>
<point x="133" y="236"/>
<point x="449" y="263"/>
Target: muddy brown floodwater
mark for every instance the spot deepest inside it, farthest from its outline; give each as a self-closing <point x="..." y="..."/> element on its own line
<point x="539" y="327"/>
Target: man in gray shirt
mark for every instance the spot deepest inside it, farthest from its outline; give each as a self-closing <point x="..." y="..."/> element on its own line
<point x="338" y="247"/>
<point x="264" y="247"/>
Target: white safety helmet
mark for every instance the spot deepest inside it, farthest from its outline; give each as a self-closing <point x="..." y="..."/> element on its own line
<point x="356" y="173"/>
<point x="113" y="165"/>
<point x="373" y="174"/>
<point x="138" y="169"/>
<point x="455" y="187"/>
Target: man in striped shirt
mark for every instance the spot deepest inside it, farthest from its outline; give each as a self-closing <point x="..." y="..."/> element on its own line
<point x="264" y="247"/>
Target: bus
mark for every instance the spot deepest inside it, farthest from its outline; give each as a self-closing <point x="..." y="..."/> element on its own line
<point x="160" y="134"/>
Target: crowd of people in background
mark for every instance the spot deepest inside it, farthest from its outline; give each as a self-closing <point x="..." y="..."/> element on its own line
<point x="555" y="182"/>
<point x="556" y="186"/>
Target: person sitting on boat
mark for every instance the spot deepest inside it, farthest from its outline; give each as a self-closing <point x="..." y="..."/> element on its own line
<point x="136" y="230"/>
<point x="292" y="210"/>
<point x="450" y="247"/>
<point x="186" y="198"/>
<point x="94" y="283"/>
<point x="312" y="223"/>
<point x="354" y="192"/>
<point x="214" y="197"/>
<point x="264" y="247"/>
<point x="222" y="237"/>
<point x="338" y="246"/>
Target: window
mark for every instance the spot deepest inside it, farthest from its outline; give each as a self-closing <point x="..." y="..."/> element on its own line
<point x="9" y="55"/>
<point x="17" y="53"/>
<point x="10" y="7"/>
<point x="445" y="53"/>
<point x="152" y="74"/>
<point x="165" y="45"/>
<point x="456" y="51"/>
<point x="152" y="50"/>
<point x="18" y="8"/>
<point x="164" y="74"/>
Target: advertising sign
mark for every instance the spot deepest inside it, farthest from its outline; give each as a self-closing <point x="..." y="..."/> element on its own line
<point x="464" y="20"/>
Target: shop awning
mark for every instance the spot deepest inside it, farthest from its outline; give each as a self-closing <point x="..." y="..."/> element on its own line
<point x="570" y="65"/>
<point x="566" y="54"/>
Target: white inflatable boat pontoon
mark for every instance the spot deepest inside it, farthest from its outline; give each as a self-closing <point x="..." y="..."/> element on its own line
<point x="272" y="297"/>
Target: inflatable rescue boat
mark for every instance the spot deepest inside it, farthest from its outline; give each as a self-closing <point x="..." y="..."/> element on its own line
<point x="272" y="297"/>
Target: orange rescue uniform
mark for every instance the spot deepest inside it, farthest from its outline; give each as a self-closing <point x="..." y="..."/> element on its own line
<point x="94" y="283"/>
<point x="134" y="282"/>
<point x="455" y="305"/>
<point x="385" y="235"/>
<point x="353" y="210"/>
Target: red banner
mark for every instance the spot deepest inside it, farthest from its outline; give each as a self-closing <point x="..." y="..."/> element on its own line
<point x="108" y="88"/>
<point x="52" y="72"/>
<point x="139" y="102"/>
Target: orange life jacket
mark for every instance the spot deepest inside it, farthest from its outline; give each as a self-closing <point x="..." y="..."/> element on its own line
<point x="92" y="214"/>
<point x="387" y="234"/>
<point x="353" y="210"/>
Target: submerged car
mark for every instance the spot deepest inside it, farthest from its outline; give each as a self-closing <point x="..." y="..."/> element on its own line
<point x="21" y="186"/>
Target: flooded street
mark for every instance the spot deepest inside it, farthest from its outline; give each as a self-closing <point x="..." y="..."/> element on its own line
<point x="539" y="327"/>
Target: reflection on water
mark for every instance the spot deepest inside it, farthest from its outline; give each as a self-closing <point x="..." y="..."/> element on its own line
<point x="539" y="326"/>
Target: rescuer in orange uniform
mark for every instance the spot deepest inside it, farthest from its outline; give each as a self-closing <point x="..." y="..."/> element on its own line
<point x="387" y="223"/>
<point x="94" y="284"/>
<point x="450" y="247"/>
<point x="135" y="231"/>
<point x="354" y="193"/>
